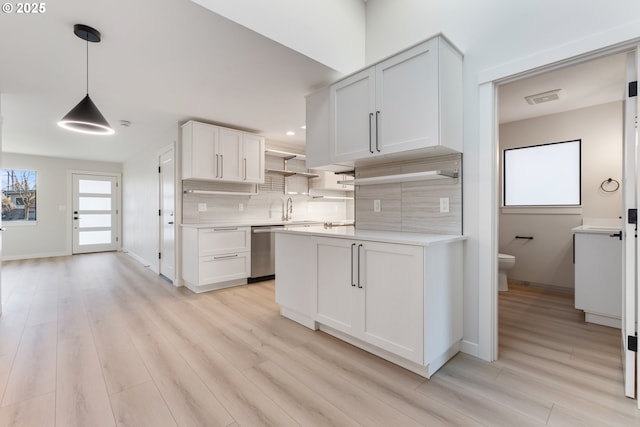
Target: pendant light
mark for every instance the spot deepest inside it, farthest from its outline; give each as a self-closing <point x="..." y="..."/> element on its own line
<point x="85" y="117"/>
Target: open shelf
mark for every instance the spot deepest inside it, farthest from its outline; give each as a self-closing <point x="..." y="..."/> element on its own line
<point x="285" y="154"/>
<point x="290" y="172"/>
<point x="405" y="177"/>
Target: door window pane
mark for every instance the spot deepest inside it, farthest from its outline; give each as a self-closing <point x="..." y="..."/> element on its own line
<point x="95" y="203"/>
<point x="94" y="237"/>
<point x="95" y="187"/>
<point x="93" y="220"/>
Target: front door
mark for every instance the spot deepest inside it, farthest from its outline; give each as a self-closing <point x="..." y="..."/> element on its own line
<point x="95" y="213"/>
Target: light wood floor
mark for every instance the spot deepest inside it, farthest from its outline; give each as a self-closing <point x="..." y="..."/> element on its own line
<point x="97" y="340"/>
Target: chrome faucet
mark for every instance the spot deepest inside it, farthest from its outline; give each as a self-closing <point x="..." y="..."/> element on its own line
<point x="289" y="210"/>
<point x="284" y="212"/>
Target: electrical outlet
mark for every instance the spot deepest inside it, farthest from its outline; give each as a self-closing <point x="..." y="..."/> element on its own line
<point x="444" y="204"/>
<point x="376" y="205"/>
<point x="202" y="207"/>
<point x="240" y="207"/>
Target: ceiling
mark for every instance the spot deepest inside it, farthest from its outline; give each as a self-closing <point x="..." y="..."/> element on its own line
<point x="595" y="82"/>
<point x="167" y="61"/>
<point x="159" y="63"/>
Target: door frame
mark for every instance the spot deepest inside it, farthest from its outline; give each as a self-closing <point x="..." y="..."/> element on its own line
<point x="69" y="207"/>
<point x="177" y="209"/>
<point x="169" y="148"/>
<point x="488" y="173"/>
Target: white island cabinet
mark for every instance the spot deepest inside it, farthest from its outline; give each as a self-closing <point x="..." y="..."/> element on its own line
<point x="394" y="295"/>
<point x="215" y="257"/>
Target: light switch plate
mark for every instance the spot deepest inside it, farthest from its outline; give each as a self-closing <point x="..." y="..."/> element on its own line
<point x="202" y="207"/>
<point x="376" y="205"/>
<point x="444" y="204"/>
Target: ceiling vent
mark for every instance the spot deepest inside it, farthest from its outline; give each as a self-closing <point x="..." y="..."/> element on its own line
<point x="539" y="98"/>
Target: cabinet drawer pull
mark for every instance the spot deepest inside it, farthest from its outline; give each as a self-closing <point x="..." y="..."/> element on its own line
<point x="359" y="284"/>
<point x="223" y="229"/>
<point x="370" y="147"/>
<point x="377" y="136"/>
<point x="353" y="246"/>
<point x="225" y="256"/>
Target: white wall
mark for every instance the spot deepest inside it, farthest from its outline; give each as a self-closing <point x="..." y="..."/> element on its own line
<point x="331" y="32"/>
<point x="140" y="201"/>
<point x="548" y="259"/>
<point x="51" y="235"/>
<point x="493" y="34"/>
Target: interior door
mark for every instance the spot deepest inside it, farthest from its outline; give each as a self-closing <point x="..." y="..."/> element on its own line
<point x="95" y="210"/>
<point x="630" y="251"/>
<point x="167" y="215"/>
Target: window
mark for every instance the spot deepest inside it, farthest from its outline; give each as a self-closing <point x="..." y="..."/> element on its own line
<point x="19" y="195"/>
<point x="542" y="175"/>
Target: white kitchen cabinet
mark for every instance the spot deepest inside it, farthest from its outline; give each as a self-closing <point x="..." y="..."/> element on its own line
<point x="598" y="276"/>
<point x="411" y="101"/>
<point x="215" y="258"/>
<point x="214" y="153"/>
<point x="253" y="158"/>
<point x="402" y="302"/>
<point x="296" y="281"/>
<point x="199" y="151"/>
<point x="373" y="292"/>
<point x="327" y="180"/>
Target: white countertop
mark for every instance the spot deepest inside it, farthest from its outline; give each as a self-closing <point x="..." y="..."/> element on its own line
<point x="595" y="229"/>
<point x="259" y="222"/>
<point x="350" y="232"/>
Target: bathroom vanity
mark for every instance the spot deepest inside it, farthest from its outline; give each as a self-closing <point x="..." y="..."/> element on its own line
<point x="598" y="274"/>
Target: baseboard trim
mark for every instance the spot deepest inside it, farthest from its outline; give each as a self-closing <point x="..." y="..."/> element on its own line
<point x="542" y="286"/>
<point x="470" y="348"/>
<point x="34" y="256"/>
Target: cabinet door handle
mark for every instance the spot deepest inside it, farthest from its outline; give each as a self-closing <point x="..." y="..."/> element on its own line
<point x="217" y="165"/>
<point x="370" y="147"/>
<point x="359" y="284"/>
<point x="225" y="256"/>
<point x="353" y="246"/>
<point x="221" y="166"/>
<point x="618" y="235"/>
<point x="377" y="136"/>
<point x="245" y="168"/>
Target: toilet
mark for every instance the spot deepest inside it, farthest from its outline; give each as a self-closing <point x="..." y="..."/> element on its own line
<point x="505" y="262"/>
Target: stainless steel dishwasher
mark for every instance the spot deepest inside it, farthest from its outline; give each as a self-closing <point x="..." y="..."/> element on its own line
<point x="263" y="252"/>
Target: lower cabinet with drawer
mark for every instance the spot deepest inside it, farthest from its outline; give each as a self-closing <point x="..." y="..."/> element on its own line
<point x="215" y="258"/>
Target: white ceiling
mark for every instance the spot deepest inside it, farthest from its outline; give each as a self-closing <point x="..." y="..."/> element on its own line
<point x="590" y="83"/>
<point x="166" y="61"/>
<point x="159" y="63"/>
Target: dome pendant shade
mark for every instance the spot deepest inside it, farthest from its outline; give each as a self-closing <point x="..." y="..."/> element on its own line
<point x="86" y="118"/>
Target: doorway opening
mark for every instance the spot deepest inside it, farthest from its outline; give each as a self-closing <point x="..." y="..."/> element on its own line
<point x="582" y="101"/>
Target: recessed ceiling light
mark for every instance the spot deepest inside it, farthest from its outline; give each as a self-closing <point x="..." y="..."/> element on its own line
<point x="290" y="133"/>
<point x="539" y="98"/>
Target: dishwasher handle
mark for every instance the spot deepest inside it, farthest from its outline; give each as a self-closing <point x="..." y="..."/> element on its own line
<point x="265" y="230"/>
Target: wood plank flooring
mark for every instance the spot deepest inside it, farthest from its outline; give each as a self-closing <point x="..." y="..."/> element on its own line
<point x="97" y="340"/>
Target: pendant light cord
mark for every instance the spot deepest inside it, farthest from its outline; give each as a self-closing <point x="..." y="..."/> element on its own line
<point x="87" y="65"/>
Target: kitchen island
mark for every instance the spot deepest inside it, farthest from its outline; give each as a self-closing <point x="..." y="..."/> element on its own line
<point x="397" y="295"/>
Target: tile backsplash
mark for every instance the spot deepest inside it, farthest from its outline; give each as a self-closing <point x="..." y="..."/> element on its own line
<point x="411" y="206"/>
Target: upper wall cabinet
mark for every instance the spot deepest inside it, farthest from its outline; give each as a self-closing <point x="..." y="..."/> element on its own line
<point x="411" y="101"/>
<point x="214" y="153"/>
